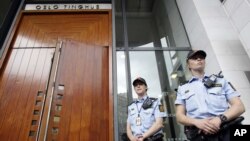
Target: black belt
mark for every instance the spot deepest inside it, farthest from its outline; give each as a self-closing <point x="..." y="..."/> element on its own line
<point x="157" y="137"/>
<point x="192" y="131"/>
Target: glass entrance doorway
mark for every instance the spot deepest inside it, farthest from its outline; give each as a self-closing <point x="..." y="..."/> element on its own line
<point x="151" y="42"/>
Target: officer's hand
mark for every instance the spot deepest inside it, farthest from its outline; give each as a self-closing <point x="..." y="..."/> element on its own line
<point x="134" y="139"/>
<point x="206" y="126"/>
<point x="216" y="122"/>
<point x="140" y="138"/>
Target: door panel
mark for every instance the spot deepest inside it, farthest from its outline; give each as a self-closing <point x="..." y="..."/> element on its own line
<point x="43" y="30"/>
<point x="81" y="97"/>
<point x="82" y="107"/>
<point x="25" y="75"/>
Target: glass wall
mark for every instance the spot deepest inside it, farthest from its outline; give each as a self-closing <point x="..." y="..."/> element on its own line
<point x="151" y="42"/>
<point x="8" y="10"/>
<point x="150" y="23"/>
<point x="4" y="7"/>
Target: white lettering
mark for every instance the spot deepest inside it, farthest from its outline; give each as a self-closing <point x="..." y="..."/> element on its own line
<point x="239" y="132"/>
<point x="243" y="131"/>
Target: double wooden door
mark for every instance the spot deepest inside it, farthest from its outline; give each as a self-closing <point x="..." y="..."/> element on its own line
<point x="55" y="82"/>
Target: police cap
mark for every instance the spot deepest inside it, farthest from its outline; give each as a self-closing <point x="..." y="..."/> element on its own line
<point x="139" y="79"/>
<point x="195" y="52"/>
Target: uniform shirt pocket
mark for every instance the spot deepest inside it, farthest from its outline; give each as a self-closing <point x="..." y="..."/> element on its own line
<point x="190" y="101"/>
<point x="132" y="113"/>
<point x="148" y="112"/>
<point x="215" y="90"/>
<point x="217" y="98"/>
<point x="132" y="116"/>
<point x="147" y="117"/>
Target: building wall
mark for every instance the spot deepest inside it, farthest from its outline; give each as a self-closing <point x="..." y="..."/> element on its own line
<point x="209" y="27"/>
<point x="238" y="12"/>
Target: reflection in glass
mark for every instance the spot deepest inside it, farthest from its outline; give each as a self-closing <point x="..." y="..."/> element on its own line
<point x="122" y="93"/>
<point x="176" y="67"/>
<point x="157" y="68"/>
<point x="119" y="25"/>
<point x="151" y="24"/>
<point x="163" y="71"/>
<point x="143" y="64"/>
<point x="155" y="21"/>
<point x="4" y="9"/>
<point x="121" y="73"/>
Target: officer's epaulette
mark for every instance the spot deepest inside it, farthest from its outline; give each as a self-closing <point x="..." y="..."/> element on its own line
<point x="153" y="99"/>
<point x="232" y="86"/>
<point x="131" y="102"/>
<point x="185" y="82"/>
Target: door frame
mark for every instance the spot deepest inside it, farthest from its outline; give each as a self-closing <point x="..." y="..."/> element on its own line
<point x="7" y="52"/>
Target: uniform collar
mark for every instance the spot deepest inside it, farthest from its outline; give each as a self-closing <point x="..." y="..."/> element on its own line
<point x="196" y="78"/>
<point x="142" y="99"/>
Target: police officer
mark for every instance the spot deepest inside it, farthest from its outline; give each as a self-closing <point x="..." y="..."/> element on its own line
<point x="145" y="115"/>
<point x="203" y="102"/>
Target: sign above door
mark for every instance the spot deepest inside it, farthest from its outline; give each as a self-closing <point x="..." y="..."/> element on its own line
<point x="73" y="6"/>
<point x="67" y="1"/>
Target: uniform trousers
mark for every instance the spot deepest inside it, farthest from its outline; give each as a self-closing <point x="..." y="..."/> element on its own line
<point x="221" y="136"/>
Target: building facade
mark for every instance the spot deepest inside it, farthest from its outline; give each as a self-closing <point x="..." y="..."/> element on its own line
<point x="67" y="66"/>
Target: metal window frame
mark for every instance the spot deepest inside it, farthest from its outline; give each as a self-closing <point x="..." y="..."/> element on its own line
<point x="127" y="49"/>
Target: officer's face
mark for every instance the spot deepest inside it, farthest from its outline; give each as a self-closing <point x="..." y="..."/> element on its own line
<point x="140" y="88"/>
<point x="196" y="63"/>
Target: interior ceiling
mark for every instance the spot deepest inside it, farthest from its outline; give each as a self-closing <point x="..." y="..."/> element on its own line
<point x="135" y="5"/>
<point x="139" y="5"/>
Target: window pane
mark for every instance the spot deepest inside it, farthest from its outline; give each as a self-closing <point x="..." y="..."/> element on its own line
<point x="163" y="71"/>
<point x="122" y="101"/>
<point x="143" y="64"/>
<point x="155" y="23"/>
<point x="121" y="73"/>
<point x="176" y="68"/>
<point x="177" y="73"/>
<point x="7" y="13"/>
<point x="4" y="7"/>
<point x="119" y="24"/>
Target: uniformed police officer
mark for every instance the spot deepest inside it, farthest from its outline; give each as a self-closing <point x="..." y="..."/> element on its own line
<point x="145" y="115"/>
<point x="203" y="102"/>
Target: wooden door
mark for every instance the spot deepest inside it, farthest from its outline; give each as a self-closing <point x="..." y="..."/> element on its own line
<point x="82" y="98"/>
<point x="22" y="92"/>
